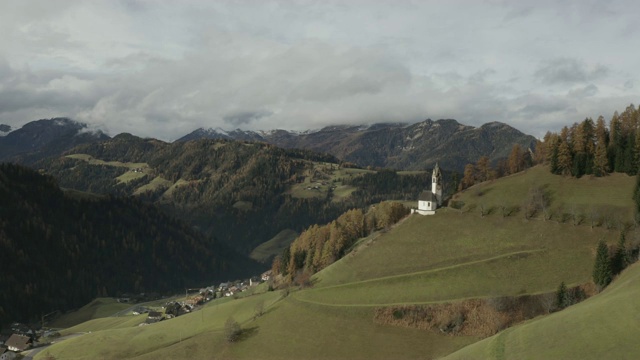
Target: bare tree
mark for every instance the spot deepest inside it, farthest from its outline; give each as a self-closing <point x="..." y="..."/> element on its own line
<point x="232" y="330"/>
<point x="576" y="215"/>
<point x="259" y="309"/>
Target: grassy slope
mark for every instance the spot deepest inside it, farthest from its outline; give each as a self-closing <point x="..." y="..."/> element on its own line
<point x="605" y="326"/>
<point x="459" y="255"/>
<point x="98" y="308"/>
<point x="449" y="256"/>
<point x="274" y="246"/>
<point x="611" y="194"/>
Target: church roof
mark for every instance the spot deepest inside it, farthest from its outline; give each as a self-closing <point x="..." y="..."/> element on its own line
<point x="427" y="196"/>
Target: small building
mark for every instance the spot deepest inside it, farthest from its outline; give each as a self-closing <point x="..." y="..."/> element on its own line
<point x="154" y="317"/>
<point x="19" y="342"/>
<point x="266" y="275"/>
<point x="5" y="354"/>
<point x="430" y="200"/>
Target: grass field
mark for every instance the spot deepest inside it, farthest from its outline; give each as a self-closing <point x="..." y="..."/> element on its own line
<point x="605" y="326"/>
<point x="274" y="246"/>
<point x="323" y="176"/>
<point x="451" y="256"/>
<point x="98" y="308"/>
<point x="610" y="195"/>
<point x="93" y="161"/>
<point x="156" y="183"/>
<point x="458" y="255"/>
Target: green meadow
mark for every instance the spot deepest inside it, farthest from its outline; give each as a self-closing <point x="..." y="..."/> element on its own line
<point x="605" y="326"/>
<point x="273" y="246"/>
<point x="98" y="308"/>
<point x="454" y="255"/>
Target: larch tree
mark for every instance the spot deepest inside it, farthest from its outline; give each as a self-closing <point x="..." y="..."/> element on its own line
<point x="483" y="168"/>
<point x="469" y="176"/>
<point x="564" y="158"/>
<point x="600" y="160"/>
<point x="515" y="161"/>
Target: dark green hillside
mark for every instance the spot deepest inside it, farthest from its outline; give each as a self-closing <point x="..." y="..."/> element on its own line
<point x="58" y="252"/>
<point x="242" y="193"/>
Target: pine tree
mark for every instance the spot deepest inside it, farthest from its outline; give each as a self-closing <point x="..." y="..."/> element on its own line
<point x="602" y="267"/>
<point x="620" y="259"/>
<point x="562" y="296"/>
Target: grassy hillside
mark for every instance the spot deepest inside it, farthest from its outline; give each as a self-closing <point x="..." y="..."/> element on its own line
<point x="98" y="308"/>
<point x="457" y="255"/>
<point x="267" y="250"/>
<point x="451" y="256"/>
<point x="605" y="326"/>
<point x="609" y="196"/>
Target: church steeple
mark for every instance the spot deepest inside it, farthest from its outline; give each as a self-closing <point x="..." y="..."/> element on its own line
<point x="436" y="184"/>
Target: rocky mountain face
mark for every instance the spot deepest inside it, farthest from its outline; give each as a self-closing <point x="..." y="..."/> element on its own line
<point x="42" y="138"/>
<point x="394" y="145"/>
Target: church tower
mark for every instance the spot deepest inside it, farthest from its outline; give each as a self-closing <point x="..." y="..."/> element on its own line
<point x="436" y="184"/>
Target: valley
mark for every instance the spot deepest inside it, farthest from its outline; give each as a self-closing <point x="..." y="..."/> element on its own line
<point x="455" y="256"/>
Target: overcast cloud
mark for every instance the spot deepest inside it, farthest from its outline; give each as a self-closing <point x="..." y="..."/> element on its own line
<point x="165" y="68"/>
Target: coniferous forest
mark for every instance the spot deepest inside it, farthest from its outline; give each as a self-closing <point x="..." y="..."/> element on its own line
<point x="58" y="251"/>
<point x="593" y="148"/>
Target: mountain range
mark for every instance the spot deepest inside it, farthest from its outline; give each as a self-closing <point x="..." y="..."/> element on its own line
<point x="393" y="145"/>
<point x="398" y="146"/>
<point x="42" y="138"/>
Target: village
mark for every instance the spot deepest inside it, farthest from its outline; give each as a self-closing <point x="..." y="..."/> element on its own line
<point x="18" y="339"/>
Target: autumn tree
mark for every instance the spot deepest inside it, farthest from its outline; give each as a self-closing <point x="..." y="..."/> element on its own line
<point x="516" y="159"/>
<point x="483" y="169"/>
<point x="469" y="177"/>
<point x="564" y="166"/>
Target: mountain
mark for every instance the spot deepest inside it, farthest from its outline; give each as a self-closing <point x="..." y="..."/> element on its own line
<point x="59" y="250"/>
<point x="4" y="129"/>
<point x="425" y="288"/>
<point x="242" y="193"/>
<point x="42" y="138"/>
<point x="395" y="145"/>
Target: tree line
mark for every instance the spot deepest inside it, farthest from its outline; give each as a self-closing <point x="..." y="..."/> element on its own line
<point x="519" y="159"/>
<point x="319" y="246"/>
<point x="593" y="148"/>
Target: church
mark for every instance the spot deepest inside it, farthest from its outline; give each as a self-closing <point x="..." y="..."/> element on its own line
<point x="430" y="200"/>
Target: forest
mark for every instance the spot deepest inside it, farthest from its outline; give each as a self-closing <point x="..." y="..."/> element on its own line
<point x="321" y="245"/>
<point x="592" y="148"/>
<point x="217" y="175"/>
<point x="58" y="251"/>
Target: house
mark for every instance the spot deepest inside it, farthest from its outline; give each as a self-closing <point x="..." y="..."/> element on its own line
<point x="266" y="275"/>
<point x="19" y="342"/>
<point x="154" y="317"/>
<point x="5" y="354"/>
<point x="430" y="200"/>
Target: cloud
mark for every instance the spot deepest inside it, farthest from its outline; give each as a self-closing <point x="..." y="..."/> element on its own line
<point x="568" y="71"/>
<point x="164" y="68"/>
<point x="245" y="118"/>
<point x="582" y="92"/>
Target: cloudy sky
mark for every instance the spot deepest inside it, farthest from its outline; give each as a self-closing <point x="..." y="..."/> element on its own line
<point x="165" y="68"/>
